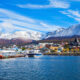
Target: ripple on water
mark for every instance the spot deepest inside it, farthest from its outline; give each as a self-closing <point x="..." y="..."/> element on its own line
<point x="42" y="68"/>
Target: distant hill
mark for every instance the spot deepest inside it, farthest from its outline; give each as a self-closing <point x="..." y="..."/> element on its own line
<point x="59" y="39"/>
<point x="16" y="41"/>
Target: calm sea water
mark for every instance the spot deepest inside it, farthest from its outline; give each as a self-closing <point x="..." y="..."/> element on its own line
<point x="41" y="68"/>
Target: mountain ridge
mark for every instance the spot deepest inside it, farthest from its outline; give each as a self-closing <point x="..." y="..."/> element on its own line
<point x="35" y="35"/>
<point x="71" y="31"/>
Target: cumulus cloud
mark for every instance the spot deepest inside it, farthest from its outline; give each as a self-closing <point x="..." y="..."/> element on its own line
<point x="75" y="14"/>
<point x="12" y="22"/>
<point x="52" y="4"/>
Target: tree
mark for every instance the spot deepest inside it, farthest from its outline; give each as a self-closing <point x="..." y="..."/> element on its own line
<point x="66" y="46"/>
<point x="23" y="48"/>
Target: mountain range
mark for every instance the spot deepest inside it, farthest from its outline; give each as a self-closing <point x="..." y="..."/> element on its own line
<point x="71" y="31"/>
<point x="34" y="35"/>
<point x="25" y="35"/>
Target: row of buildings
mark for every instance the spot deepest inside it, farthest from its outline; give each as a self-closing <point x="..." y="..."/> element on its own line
<point x="71" y="46"/>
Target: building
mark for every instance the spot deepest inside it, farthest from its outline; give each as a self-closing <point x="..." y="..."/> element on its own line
<point x="74" y="43"/>
<point x="44" y="44"/>
<point x="53" y="47"/>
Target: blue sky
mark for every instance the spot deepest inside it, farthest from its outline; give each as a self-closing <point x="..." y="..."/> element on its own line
<point x="38" y="15"/>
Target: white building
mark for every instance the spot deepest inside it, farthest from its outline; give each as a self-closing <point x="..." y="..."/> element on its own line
<point x="43" y="44"/>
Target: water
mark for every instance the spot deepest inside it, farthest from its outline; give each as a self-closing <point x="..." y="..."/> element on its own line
<point x="41" y="68"/>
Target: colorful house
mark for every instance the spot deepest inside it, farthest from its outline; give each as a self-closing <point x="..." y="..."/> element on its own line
<point x="53" y="47"/>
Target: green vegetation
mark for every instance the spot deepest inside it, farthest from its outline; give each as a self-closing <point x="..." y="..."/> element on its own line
<point x="23" y="48"/>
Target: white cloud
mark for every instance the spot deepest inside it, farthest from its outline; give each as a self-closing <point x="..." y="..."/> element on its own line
<point x="50" y="27"/>
<point x="11" y="22"/>
<point x="75" y="14"/>
<point x="12" y="15"/>
<point x="52" y="4"/>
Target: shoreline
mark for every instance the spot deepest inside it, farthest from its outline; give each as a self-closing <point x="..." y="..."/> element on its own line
<point x="16" y="56"/>
<point x="63" y="54"/>
<point x="51" y="54"/>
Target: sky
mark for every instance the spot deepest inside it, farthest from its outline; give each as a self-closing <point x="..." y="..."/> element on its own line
<point x="38" y="15"/>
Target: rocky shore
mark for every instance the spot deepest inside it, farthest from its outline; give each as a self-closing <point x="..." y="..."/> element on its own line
<point x="64" y="53"/>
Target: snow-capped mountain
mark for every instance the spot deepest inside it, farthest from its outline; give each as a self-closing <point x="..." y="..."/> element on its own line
<point x="34" y="35"/>
<point x="26" y="35"/>
<point x="73" y="30"/>
<point x="52" y="34"/>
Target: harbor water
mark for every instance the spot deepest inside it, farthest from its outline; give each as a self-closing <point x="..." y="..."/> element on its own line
<point x="41" y="68"/>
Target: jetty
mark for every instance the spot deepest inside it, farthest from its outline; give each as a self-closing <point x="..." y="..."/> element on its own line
<point x="63" y="53"/>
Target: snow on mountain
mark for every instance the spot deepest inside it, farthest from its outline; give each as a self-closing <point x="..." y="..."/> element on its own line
<point x="73" y="30"/>
<point x="33" y="35"/>
<point x="52" y="34"/>
<point x="7" y="31"/>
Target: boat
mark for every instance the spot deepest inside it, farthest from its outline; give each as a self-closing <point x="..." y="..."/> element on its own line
<point x="34" y="53"/>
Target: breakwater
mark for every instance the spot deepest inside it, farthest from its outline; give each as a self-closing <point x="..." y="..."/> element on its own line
<point x="15" y="56"/>
<point x="64" y="53"/>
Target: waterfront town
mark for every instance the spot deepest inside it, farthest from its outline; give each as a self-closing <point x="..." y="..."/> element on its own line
<point x="46" y="48"/>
